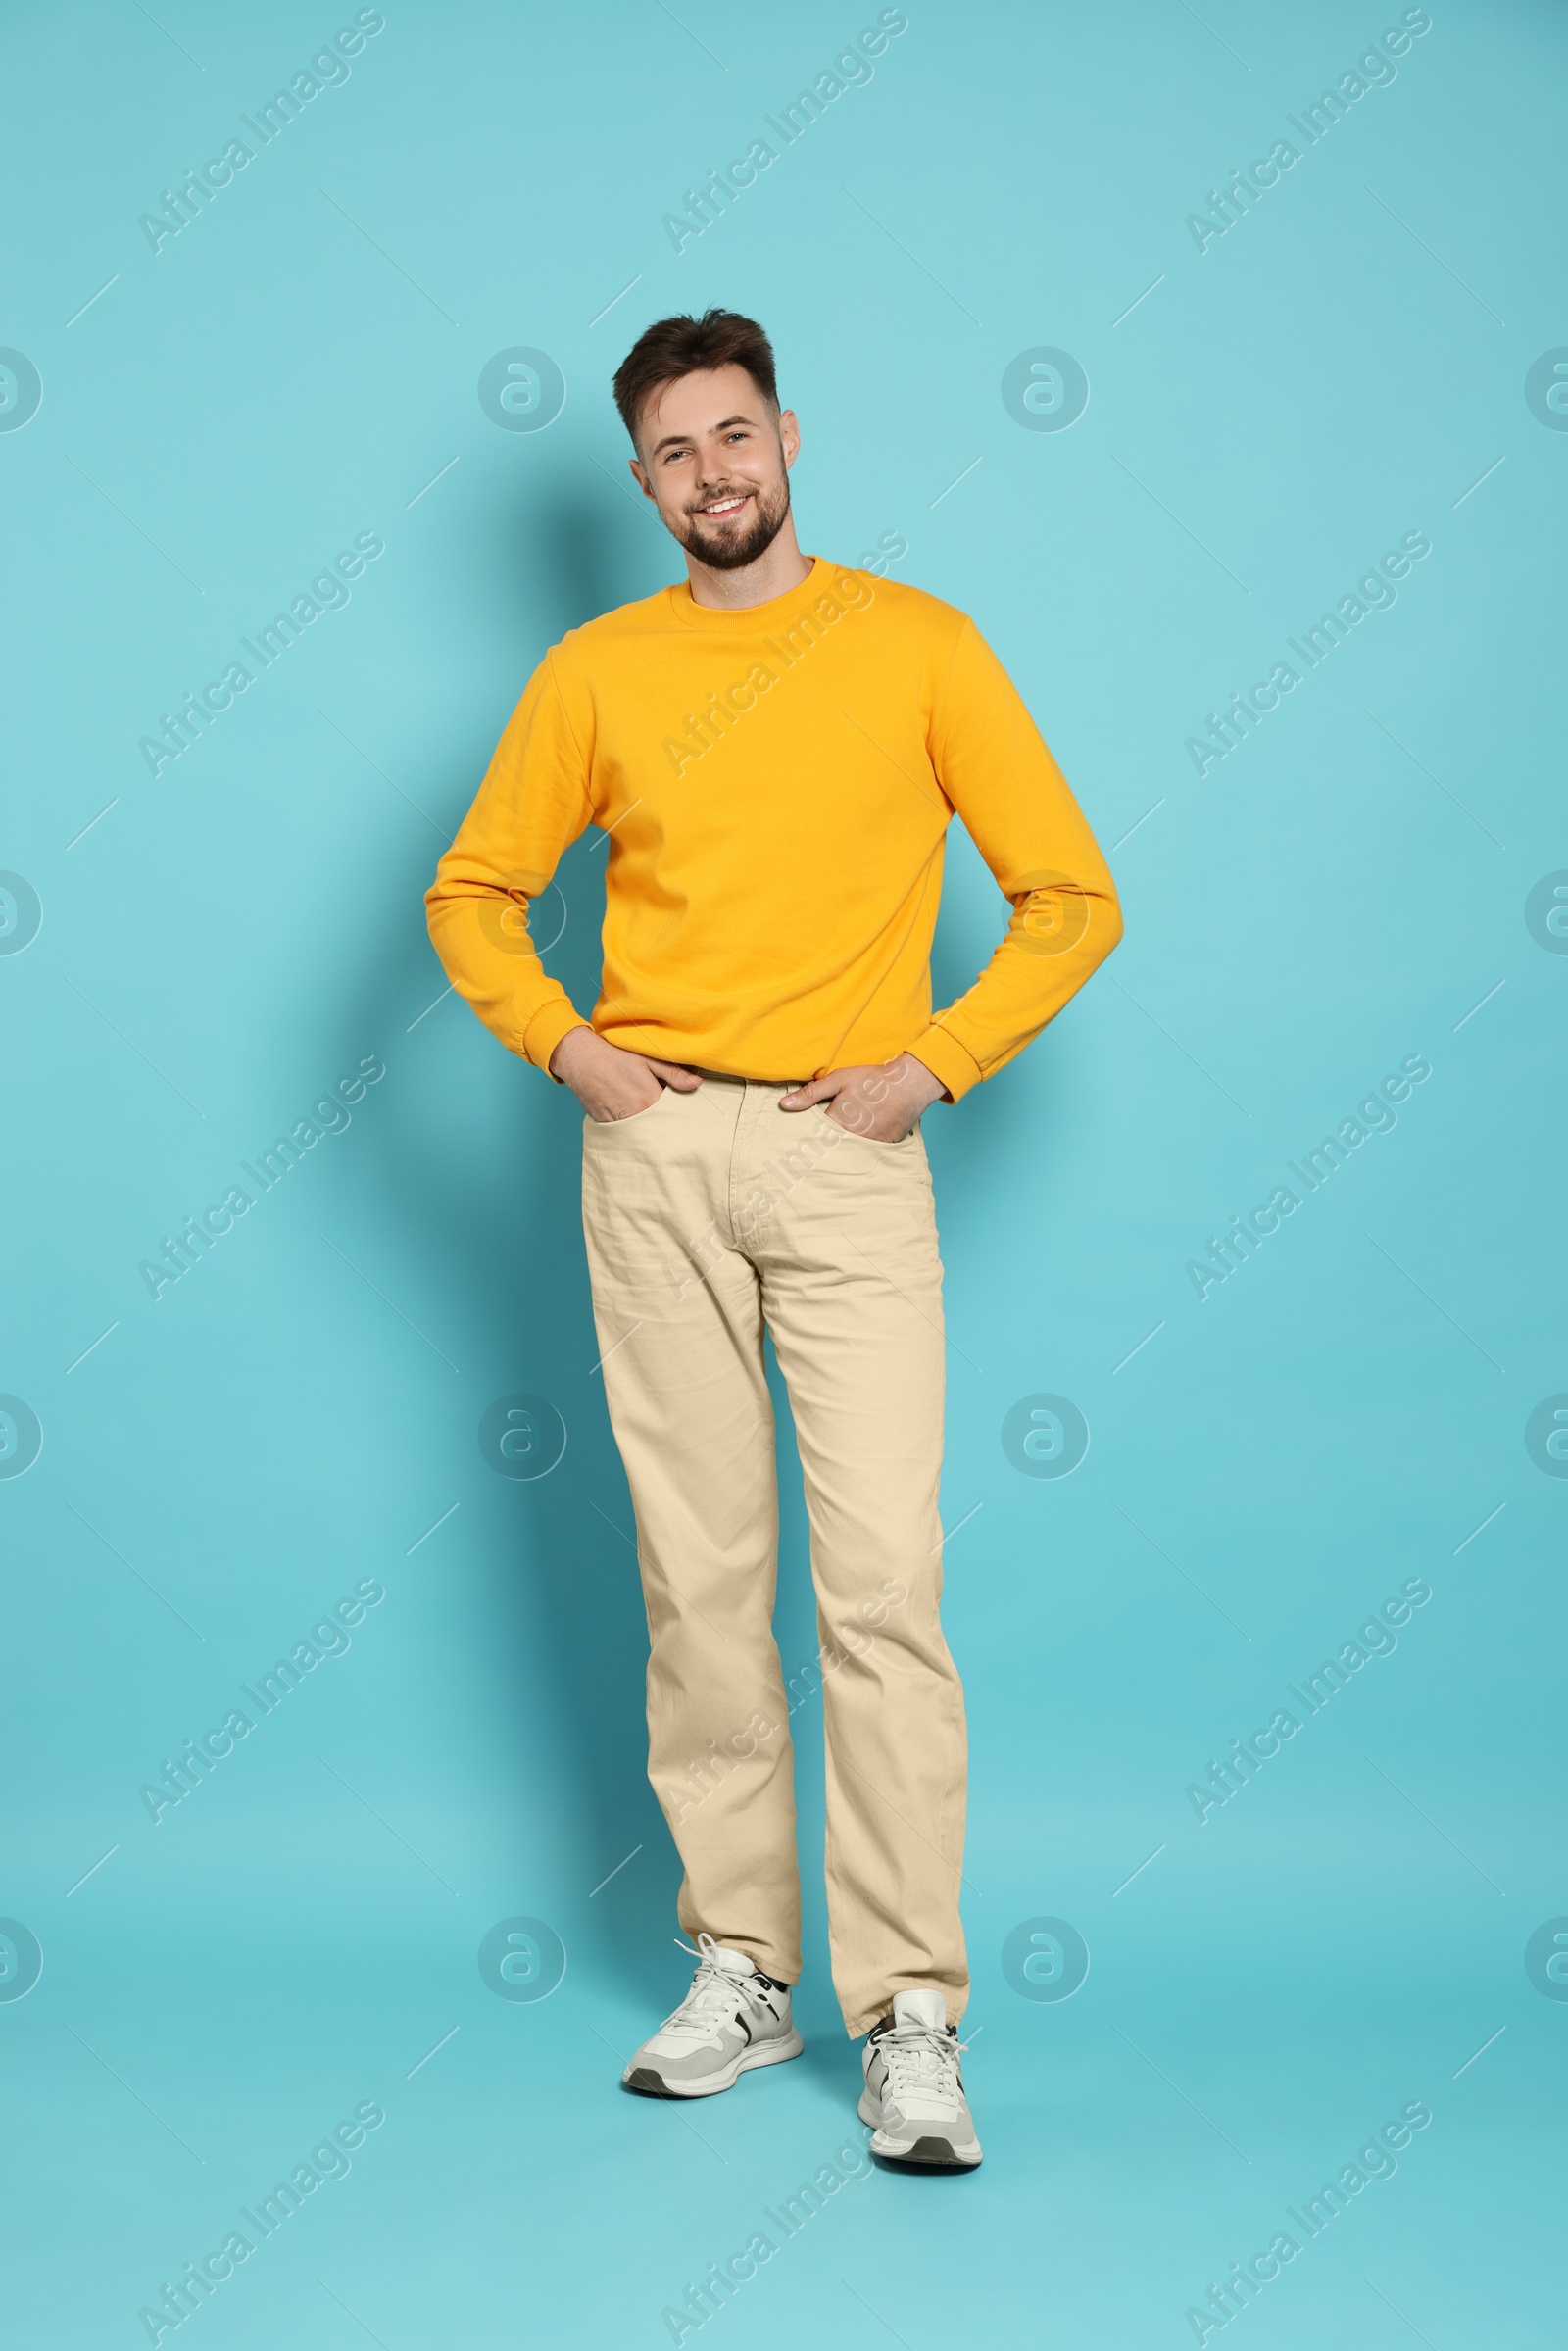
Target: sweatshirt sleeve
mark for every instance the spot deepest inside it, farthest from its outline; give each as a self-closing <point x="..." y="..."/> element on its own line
<point x="530" y="807"/>
<point x="1014" y="802"/>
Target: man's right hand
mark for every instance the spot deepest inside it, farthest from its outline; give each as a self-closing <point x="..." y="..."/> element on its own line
<point x="612" y="1083"/>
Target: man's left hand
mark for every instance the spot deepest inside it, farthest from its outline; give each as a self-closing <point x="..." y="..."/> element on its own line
<point x="879" y="1100"/>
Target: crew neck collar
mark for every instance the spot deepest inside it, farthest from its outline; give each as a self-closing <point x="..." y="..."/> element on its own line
<point x="752" y="619"/>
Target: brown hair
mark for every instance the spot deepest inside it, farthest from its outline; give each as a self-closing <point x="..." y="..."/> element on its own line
<point x="680" y="346"/>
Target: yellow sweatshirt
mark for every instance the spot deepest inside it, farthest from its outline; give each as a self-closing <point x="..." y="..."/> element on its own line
<point x="776" y="785"/>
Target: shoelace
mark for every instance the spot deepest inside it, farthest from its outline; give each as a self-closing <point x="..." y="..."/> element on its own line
<point x="714" y="1993"/>
<point x="920" y="2057"/>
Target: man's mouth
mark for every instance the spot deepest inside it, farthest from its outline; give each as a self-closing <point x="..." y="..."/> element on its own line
<point x="724" y="505"/>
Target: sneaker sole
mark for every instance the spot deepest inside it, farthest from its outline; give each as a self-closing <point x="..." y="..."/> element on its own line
<point x="930" y="2152"/>
<point x="647" y="2082"/>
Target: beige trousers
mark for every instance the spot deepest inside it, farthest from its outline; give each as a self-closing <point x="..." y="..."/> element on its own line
<point x="707" y="1216"/>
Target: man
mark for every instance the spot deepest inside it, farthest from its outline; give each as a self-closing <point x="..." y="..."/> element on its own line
<point x="774" y="749"/>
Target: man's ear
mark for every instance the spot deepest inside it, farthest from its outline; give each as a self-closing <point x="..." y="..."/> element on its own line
<point x="789" y="432"/>
<point x="639" y="474"/>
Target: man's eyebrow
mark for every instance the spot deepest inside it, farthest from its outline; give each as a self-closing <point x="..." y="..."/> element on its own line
<point x="686" y="436"/>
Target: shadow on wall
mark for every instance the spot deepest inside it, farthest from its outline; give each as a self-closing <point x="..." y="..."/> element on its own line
<point x="568" y="555"/>
<point x="495" y="1225"/>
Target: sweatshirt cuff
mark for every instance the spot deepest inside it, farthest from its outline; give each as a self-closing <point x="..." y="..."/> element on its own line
<point x="947" y="1059"/>
<point x="544" y="1032"/>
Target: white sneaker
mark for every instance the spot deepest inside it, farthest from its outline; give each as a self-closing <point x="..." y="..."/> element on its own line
<point x="914" y="2096"/>
<point x="731" y="2019"/>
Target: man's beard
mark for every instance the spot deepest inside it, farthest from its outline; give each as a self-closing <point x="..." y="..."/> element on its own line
<point x="735" y="550"/>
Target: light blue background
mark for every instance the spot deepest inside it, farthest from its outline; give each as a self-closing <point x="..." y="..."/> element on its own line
<point x="1339" y="893"/>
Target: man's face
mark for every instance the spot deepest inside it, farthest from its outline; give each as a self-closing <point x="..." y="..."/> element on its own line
<point x="715" y="460"/>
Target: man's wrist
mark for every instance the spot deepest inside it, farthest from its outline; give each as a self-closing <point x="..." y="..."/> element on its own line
<point x="553" y="1020"/>
<point x="939" y="1089"/>
<point x="940" y="1052"/>
<point x="567" y="1050"/>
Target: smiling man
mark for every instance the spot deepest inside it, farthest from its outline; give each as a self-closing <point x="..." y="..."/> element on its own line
<point x="774" y="749"/>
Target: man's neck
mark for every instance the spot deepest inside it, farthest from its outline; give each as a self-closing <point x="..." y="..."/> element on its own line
<point x="778" y="568"/>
